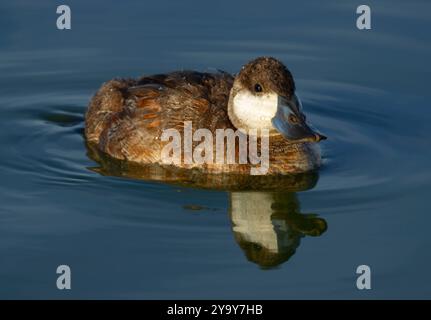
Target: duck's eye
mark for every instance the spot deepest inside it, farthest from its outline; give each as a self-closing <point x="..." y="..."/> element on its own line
<point x="293" y="119"/>
<point x="257" y="87"/>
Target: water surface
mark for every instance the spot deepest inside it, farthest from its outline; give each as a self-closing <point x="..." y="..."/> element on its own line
<point x="124" y="237"/>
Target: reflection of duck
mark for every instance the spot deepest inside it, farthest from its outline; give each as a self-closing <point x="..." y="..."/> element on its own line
<point x="126" y="118"/>
<point x="268" y="225"/>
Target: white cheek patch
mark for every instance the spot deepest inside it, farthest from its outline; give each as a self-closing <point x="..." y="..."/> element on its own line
<point x="255" y="112"/>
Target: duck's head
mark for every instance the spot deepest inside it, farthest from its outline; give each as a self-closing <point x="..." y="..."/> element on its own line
<point x="263" y="97"/>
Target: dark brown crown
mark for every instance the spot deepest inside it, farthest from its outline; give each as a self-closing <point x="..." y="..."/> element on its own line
<point x="268" y="73"/>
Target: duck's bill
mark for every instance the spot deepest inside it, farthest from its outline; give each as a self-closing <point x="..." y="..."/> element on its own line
<point x="290" y="122"/>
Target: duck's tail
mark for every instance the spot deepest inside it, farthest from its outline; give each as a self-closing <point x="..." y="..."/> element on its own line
<point x="106" y="103"/>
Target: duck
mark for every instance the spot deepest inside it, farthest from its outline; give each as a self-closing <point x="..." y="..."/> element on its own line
<point x="126" y="118"/>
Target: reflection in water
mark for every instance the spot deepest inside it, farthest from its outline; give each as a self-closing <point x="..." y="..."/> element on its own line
<point x="264" y="210"/>
<point x="268" y="226"/>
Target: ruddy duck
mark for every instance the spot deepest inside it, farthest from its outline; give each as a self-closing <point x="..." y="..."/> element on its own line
<point x="126" y="118"/>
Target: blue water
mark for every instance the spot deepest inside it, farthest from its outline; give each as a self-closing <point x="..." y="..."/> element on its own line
<point x="123" y="237"/>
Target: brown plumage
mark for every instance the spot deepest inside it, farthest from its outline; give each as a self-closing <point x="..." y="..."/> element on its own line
<point x="126" y="117"/>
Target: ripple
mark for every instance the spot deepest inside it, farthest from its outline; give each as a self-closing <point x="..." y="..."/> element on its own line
<point x="50" y="145"/>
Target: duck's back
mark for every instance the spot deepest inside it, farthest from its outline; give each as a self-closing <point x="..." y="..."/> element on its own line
<point x="126" y="117"/>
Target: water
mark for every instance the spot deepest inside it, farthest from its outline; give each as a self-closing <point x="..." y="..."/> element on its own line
<point x="123" y="237"/>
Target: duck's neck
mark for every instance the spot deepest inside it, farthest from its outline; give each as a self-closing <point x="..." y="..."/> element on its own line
<point x="251" y="114"/>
